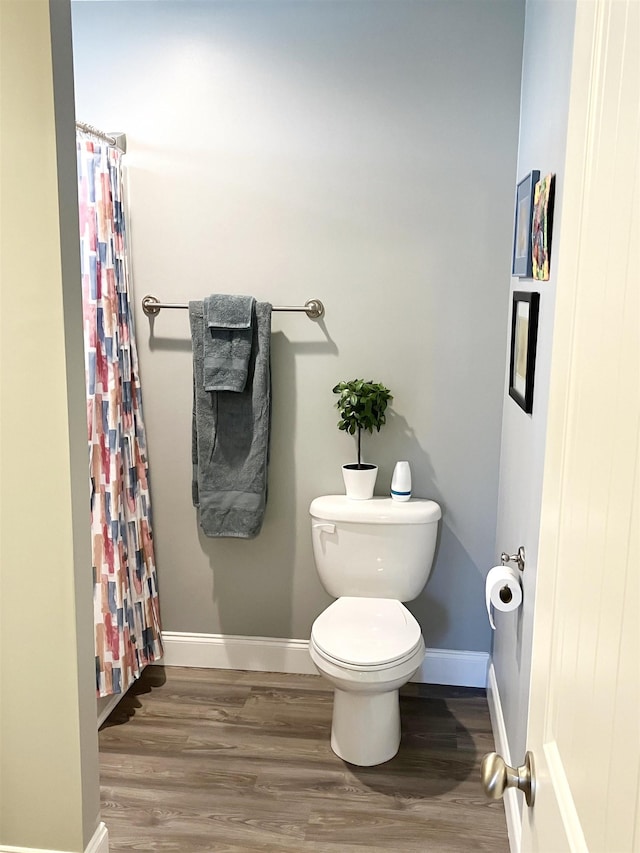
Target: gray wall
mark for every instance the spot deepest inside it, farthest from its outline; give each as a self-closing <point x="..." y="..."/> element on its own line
<point x="359" y="152"/>
<point x="548" y="47"/>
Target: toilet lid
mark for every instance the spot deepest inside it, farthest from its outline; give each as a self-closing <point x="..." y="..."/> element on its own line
<point x="366" y="631"/>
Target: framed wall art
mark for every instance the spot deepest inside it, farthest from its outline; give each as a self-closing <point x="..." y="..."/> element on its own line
<point x="521" y="262"/>
<point x="543" y="197"/>
<point x="524" y="337"/>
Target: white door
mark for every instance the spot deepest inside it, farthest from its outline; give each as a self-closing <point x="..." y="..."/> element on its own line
<point x="584" y="716"/>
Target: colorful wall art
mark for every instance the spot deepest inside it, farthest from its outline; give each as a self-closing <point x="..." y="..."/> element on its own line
<point x="541" y="227"/>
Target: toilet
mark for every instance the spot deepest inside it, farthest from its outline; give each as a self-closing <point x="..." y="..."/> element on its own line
<point x="371" y="556"/>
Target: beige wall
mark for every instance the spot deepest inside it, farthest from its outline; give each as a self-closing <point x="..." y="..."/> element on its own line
<point x="48" y="762"/>
<point x="362" y="153"/>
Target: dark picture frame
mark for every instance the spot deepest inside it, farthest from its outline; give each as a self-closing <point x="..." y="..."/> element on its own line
<point x="521" y="260"/>
<point x="524" y="339"/>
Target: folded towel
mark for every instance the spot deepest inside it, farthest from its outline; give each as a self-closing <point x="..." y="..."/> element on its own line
<point x="227" y="342"/>
<point x="225" y="311"/>
<point x="230" y="441"/>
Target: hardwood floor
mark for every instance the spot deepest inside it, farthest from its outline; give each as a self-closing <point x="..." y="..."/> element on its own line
<point x="196" y="760"/>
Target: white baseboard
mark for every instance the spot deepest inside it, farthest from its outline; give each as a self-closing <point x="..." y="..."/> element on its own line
<point x="453" y="667"/>
<point x="105" y="706"/>
<point x="273" y="654"/>
<point x="510" y="798"/>
<point x="99" y="844"/>
<point x="227" y="651"/>
<point x="100" y="841"/>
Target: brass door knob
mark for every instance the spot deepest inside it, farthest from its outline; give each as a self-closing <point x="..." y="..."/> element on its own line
<point x="497" y="776"/>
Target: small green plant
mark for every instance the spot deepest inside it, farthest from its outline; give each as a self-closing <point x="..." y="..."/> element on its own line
<point x="362" y="405"/>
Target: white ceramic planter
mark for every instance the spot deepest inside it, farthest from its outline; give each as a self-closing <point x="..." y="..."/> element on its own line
<point x="359" y="482"/>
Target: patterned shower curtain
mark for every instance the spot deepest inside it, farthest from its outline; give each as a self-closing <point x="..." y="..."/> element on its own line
<point x="126" y="611"/>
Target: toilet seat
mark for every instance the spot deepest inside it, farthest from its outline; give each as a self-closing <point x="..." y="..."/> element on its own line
<point x="366" y="634"/>
<point x="371" y="668"/>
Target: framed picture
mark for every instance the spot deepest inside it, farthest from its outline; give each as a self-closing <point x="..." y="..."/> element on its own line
<point x="521" y="265"/>
<point x="524" y="336"/>
<point x="543" y="197"/>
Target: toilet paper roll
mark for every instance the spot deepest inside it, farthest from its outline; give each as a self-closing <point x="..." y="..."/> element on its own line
<point x="502" y="590"/>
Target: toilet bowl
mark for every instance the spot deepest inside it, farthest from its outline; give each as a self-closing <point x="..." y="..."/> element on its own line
<point x="367" y="648"/>
<point x="372" y="556"/>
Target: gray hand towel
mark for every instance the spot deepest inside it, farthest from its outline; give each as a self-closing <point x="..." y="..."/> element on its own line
<point x="227" y="341"/>
<point x="231" y="436"/>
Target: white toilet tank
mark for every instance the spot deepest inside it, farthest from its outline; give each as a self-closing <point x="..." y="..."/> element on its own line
<point x="378" y="548"/>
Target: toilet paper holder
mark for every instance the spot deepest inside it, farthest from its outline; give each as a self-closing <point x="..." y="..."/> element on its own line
<point x="514" y="558"/>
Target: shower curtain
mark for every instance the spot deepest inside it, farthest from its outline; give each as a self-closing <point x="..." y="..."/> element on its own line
<point x="126" y="611"/>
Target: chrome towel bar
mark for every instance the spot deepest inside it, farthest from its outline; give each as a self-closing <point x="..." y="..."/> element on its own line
<point x="313" y="308"/>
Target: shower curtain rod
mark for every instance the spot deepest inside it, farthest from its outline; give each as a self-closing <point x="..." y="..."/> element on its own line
<point x="313" y="308"/>
<point x="119" y="139"/>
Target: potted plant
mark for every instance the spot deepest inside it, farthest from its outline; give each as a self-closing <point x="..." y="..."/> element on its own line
<point x="362" y="406"/>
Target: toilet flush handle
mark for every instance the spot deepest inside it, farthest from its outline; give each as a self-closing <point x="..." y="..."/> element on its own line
<point x="326" y="526"/>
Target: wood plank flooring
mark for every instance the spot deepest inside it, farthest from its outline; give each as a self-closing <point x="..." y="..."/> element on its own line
<point x="197" y="760"/>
